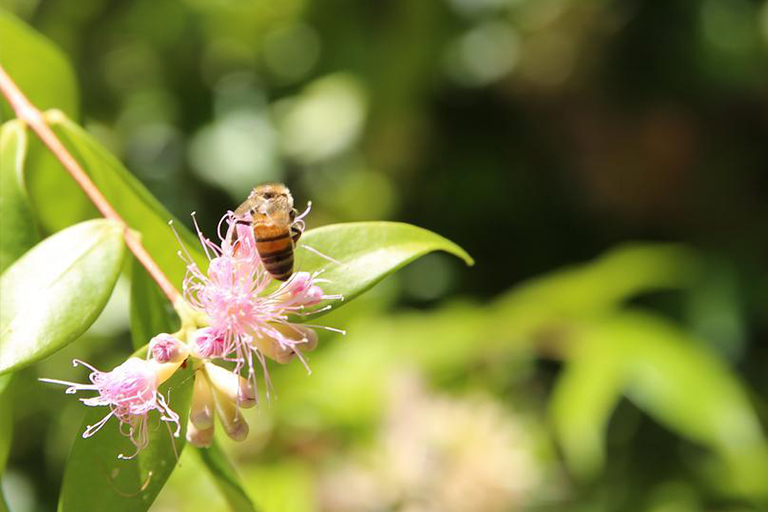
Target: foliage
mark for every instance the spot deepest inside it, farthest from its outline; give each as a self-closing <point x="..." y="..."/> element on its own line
<point x="632" y="380"/>
<point x="53" y="293"/>
<point x="38" y="67"/>
<point x="57" y="289"/>
<point x="19" y="233"/>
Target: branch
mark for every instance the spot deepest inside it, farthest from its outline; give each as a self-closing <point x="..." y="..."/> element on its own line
<point x="28" y="113"/>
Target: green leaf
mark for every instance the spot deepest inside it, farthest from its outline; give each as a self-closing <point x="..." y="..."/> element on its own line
<point x="594" y="288"/>
<point x="53" y="293"/>
<point x="18" y="232"/>
<point x="367" y="252"/>
<point x="39" y="68"/>
<point x="6" y="425"/>
<point x="141" y="211"/>
<point x="151" y="313"/>
<point x="685" y="387"/>
<point x="46" y="179"/>
<point x="3" y="506"/>
<point x="671" y="376"/>
<point x="585" y="396"/>
<point x="95" y="479"/>
<point x="226" y="478"/>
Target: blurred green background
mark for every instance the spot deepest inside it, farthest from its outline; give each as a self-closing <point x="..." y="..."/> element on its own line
<point x="606" y="164"/>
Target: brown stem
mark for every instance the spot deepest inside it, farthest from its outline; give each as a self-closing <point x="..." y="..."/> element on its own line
<point x="28" y="113"/>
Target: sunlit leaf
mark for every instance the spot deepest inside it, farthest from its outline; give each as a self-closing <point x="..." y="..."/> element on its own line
<point x="95" y="479"/>
<point x="226" y="478"/>
<point x="366" y="253"/>
<point x="593" y="288"/>
<point x="140" y="209"/>
<point x="3" y="505"/>
<point x="17" y="226"/>
<point x="53" y="293"/>
<point x="685" y="387"/>
<point x="38" y="67"/>
<point x="583" y="401"/>
<point x="151" y="313"/>
<point x="671" y="376"/>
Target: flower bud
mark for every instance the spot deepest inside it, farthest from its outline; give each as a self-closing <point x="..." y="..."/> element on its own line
<point x="167" y="349"/>
<point x="235" y="387"/>
<point x="201" y="413"/>
<point x="230" y="416"/>
<point x="201" y="438"/>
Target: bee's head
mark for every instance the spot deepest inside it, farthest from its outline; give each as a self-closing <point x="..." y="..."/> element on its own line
<point x="269" y="198"/>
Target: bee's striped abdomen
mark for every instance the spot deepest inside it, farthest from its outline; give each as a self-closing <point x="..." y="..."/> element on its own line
<point x="276" y="253"/>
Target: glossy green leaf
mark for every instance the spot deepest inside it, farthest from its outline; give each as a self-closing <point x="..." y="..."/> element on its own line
<point x="96" y="479"/>
<point x="47" y="179"/>
<point x="151" y="313"/>
<point x="671" y="376"/>
<point x="366" y="253"/>
<point x="53" y="293"/>
<point x="38" y="67"/>
<point x="142" y="211"/>
<point x="226" y="478"/>
<point x="6" y="425"/>
<point x="18" y="232"/>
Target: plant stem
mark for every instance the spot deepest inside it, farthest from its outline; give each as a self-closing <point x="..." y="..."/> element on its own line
<point x="30" y="115"/>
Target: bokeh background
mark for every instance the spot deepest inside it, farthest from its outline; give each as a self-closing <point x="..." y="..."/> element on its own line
<point x="566" y="370"/>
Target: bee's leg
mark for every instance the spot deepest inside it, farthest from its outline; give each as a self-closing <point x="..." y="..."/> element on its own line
<point x="296" y="232"/>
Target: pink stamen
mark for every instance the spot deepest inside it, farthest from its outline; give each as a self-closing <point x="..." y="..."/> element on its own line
<point x="234" y="294"/>
<point x="130" y="391"/>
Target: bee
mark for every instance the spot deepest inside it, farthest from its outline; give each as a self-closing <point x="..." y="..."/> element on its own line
<point x="275" y="227"/>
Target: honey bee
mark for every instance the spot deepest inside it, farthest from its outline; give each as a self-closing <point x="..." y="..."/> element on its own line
<point x="275" y="227"/>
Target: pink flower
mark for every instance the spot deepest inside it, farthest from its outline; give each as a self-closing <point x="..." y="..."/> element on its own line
<point x="209" y="344"/>
<point x="247" y="318"/>
<point x="130" y="391"/>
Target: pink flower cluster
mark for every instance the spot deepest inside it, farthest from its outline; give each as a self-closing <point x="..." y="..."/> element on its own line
<point x="240" y="314"/>
<point x="250" y="317"/>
